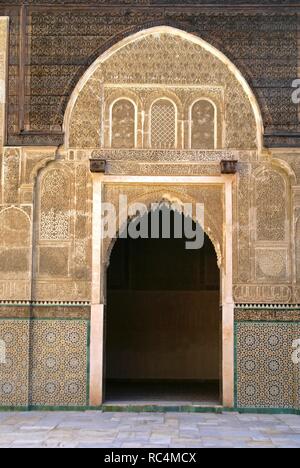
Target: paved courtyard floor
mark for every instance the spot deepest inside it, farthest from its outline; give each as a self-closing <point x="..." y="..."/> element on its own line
<point x="152" y="430"/>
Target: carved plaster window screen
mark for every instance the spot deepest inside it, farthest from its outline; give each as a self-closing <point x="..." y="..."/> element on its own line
<point x="163" y="125"/>
<point x="203" y="125"/>
<point x="55" y="206"/>
<point x="123" y="124"/>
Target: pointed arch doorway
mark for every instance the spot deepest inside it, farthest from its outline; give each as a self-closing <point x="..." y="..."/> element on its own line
<point x="224" y="185"/>
<point x="163" y="321"/>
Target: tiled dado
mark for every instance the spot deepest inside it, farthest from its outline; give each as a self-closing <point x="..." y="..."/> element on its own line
<point x="44" y="360"/>
<point x="266" y="376"/>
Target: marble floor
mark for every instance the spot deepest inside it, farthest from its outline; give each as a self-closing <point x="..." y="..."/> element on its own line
<point x="153" y="430"/>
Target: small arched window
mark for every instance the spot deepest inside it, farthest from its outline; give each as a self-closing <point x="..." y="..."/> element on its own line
<point x="123" y="123"/>
<point x="163" y="124"/>
<point x="203" y="125"/>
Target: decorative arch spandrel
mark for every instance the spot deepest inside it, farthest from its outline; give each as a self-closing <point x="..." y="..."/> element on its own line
<point x="210" y="196"/>
<point x="174" y="58"/>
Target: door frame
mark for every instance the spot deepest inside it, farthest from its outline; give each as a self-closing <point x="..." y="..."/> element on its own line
<point x="97" y="342"/>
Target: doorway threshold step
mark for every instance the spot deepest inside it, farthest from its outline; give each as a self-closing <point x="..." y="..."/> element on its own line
<point x="161" y="407"/>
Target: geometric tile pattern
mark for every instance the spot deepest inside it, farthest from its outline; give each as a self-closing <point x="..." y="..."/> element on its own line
<point x="59" y="363"/>
<point x="14" y="372"/>
<point x="46" y="363"/>
<point x="266" y="376"/>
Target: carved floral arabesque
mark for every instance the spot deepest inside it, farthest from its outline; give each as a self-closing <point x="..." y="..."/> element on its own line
<point x="210" y="196"/>
<point x="63" y="42"/>
<point x="15" y="254"/>
<point x="3" y="68"/>
<point x="150" y="60"/>
<point x="11" y="175"/>
<point x="119" y="162"/>
<point x="185" y="98"/>
<point x="171" y="156"/>
<point x="297" y="245"/>
<point x="55" y="206"/>
<point x="271" y="203"/>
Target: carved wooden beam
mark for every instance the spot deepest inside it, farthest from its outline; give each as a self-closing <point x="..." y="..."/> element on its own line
<point x="98" y="166"/>
<point x="229" y="166"/>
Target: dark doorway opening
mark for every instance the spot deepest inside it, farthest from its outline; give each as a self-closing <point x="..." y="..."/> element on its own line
<point x="163" y="323"/>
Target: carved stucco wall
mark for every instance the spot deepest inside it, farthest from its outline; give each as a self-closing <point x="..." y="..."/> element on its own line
<point x="146" y="63"/>
<point x="266" y="265"/>
<point x="63" y="233"/>
<point x="53" y="189"/>
<point x="3" y="68"/>
<point x="59" y="43"/>
<point x="46" y="219"/>
<point x="210" y="196"/>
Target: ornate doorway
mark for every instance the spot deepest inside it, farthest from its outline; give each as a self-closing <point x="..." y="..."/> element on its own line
<point x="216" y="192"/>
<point x="163" y="320"/>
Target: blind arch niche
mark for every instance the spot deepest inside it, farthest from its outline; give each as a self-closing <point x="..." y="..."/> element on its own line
<point x="203" y="125"/>
<point x="123" y="123"/>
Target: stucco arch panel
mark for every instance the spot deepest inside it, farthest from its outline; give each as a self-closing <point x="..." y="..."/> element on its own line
<point x="211" y="197"/>
<point x="164" y="56"/>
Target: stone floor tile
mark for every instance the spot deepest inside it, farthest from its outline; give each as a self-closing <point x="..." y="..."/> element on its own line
<point x="132" y="430"/>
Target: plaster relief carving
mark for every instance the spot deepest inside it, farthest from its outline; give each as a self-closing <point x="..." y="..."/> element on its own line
<point x="210" y="196"/>
<point x="260" y="294"/>
<point x="54" y="261"/>
<point x="271" y="206"/>
<point x="123" y="124"/>
<point x="55" y="206"/>
<point x="271" y="264"/>
<point x="3" y="70"/>
<point x="61" y="290"/>
<point x="34" y="160"/>
<point x="15" y="241"/>
<point x="196" y="64"/>
<point x="297" y="249"/>
<point x="203" y="125"/>
<point x="11" y="176"/>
